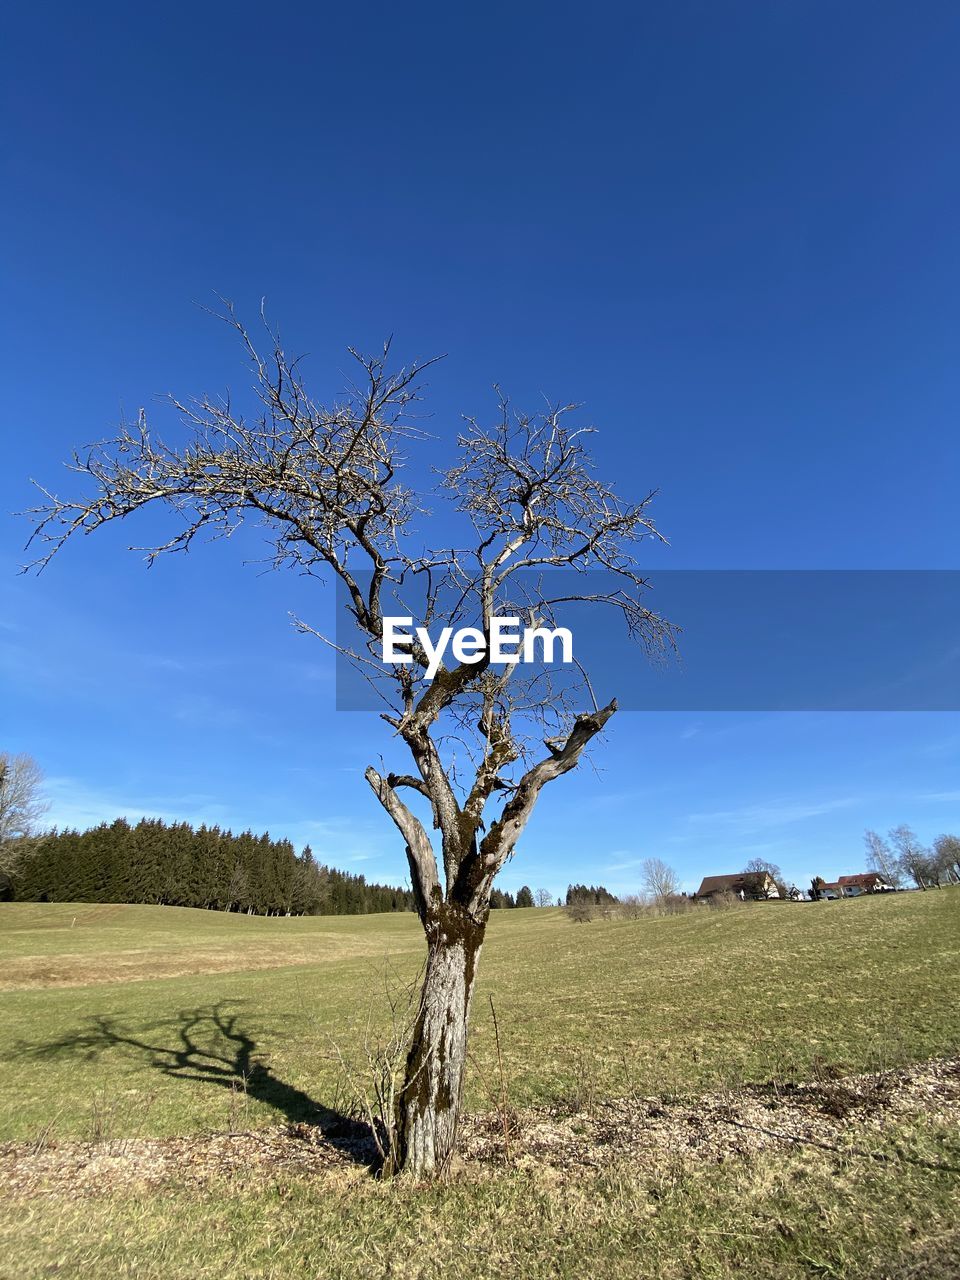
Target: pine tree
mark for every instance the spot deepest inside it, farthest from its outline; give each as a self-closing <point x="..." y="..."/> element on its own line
<point x="159" y="863"/>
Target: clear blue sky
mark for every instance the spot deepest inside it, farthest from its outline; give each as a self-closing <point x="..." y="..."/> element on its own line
<point x="730" y="230"/>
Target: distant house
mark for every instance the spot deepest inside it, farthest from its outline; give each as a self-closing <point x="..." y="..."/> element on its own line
<point x="745" y="884"/>
<point x="855" y="886"/>
<point x="866" y="882"/>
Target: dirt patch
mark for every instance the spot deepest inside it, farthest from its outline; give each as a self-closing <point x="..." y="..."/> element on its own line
<point x="852" y="1116"/>
<point x="79" y="1169"/>
<point x="836" y="1115"/>
<point x="31" y="973"/>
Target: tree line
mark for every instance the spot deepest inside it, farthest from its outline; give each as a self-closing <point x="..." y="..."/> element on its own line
<point x="175" y="864"/>
<point x="500" y="899"/>
<point x="593" y="895"/>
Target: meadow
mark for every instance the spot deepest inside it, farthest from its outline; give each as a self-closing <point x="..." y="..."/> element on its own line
<point x="124" y="1023"/>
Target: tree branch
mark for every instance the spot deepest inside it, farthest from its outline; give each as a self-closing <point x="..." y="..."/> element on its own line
<point x="420" y="856"/>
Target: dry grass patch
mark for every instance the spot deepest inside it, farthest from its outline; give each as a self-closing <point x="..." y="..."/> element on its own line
<point x="143" y="964"/>
<point x="849" y="1117"/>
<point x="634" y="1189"/>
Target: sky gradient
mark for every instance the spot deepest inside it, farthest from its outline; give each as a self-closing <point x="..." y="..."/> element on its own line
<point x="729" y="231"/>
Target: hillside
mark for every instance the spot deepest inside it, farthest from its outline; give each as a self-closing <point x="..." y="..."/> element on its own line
<point x="677" y="1003"/>
<point x="654" y="1127"/>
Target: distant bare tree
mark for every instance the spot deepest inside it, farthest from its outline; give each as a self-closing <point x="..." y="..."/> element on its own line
<point x="544" y="898"/>
<point x="22" y="805"/>
<point x="913" y="857"/>
<point x="882" y="859"/>
<point x="935" y="872"/>
<point x="946" y="854"/>
<point x="659" y="880"/>
<point x="483" y="741"/>
<point x="759" y="866"/>
<point x="582" y="912"/>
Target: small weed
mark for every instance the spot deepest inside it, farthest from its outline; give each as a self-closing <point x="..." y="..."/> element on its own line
<point x="103" y="1115"/>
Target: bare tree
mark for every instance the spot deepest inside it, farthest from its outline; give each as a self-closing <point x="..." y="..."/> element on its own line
<point x="659" y="881"/>
<point x="22" y="805"/>
<point x="544" y="898"/>
<point x="484" y="741"/>
<point x="632" y="906"/>
<point x="761" y="867"/>
<point x="582" y="912"/>
<point x="946" y="855"/>
<point x="913" y="857"/>
<point x="881" y="858"/>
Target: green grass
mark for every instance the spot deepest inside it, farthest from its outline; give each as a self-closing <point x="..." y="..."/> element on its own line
<point x="655" y="1005"/>
<point x="66" y="944"/>
<point x="796" y="1215"/>
<point x="88" y="1039"/>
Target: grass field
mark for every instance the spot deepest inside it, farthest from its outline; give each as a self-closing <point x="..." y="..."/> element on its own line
<point x="138" y="1022"/>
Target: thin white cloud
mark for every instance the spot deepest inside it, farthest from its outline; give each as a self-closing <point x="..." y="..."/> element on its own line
<point x="338" y="841"/>
<point x="210" y="712"/>
<point x="775" y="813"/>
<point x="162" y="662"/>
<point x="74" y="803"/>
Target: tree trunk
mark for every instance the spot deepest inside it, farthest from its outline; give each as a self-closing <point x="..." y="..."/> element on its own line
<point x="429" y="1106"/>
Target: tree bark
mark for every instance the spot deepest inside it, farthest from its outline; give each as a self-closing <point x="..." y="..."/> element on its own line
<point x="429" y="1105"/>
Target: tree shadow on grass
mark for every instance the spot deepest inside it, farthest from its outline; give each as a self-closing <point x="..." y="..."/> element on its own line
<point x="211" y="1045"/>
